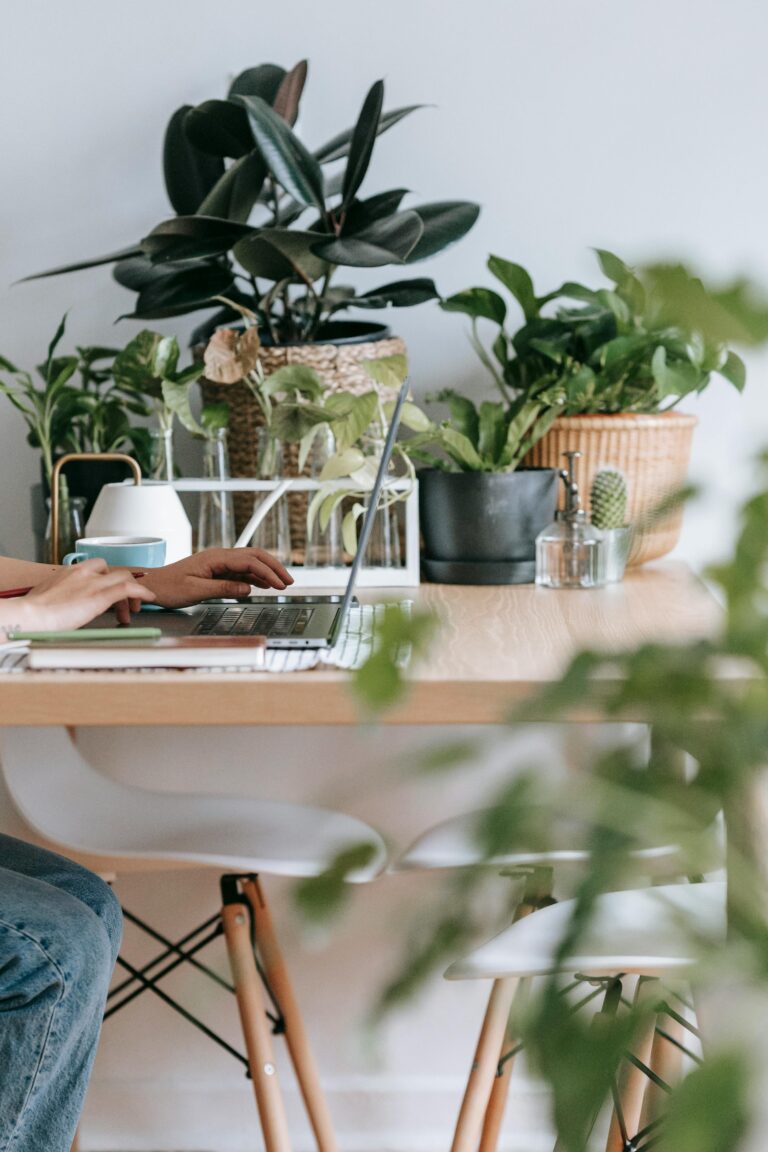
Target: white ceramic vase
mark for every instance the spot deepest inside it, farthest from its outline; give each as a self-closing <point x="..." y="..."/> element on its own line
<point x="147" y="509"/>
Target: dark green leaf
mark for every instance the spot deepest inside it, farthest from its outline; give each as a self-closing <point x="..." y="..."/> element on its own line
<point x="189" y="173"/>
<point x="361" y="213"/>
<point x="400" y="294"/>
<point x="123" y="254"/>
<point x="219" y="128"/>
<point x="492" y="430"/>
<point x="288" y="97"/>
<point x="338" y="147"/>
<point x="139" y="271"/>
<point x="280" y="253"/>
<point x="264" y="80"/>
<point x="464" y="414"/>
<point x="295" y="169"/>
<point x="478" y="303"/>
<point x="516" y="279"/>
<point x="235" y="194"/>
<point x="361" y="145"/>
<point x="386" y="241"/>
<point x="192" y="237"/>
<point x="444" y="222"/>
<point x="182" y="292"/>
<point x="214" y="416"/>
<point x="46" y="373"/>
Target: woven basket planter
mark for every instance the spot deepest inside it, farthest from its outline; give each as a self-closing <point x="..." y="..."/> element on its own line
<point x="653" y="451"/>
<point x="339" y="365"/>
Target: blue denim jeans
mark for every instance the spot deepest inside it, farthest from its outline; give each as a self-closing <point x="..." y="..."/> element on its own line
<point x="60" y="929"/>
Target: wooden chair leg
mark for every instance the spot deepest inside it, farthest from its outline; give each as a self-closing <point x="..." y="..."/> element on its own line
<point x="256" y="1031"/>
<point x="494" y="1113"/>
<point x="276" y="975"/>
<point x="667" y="1062"/>
<point x="632" y="1082"/>
<point x="477" y="1093"/>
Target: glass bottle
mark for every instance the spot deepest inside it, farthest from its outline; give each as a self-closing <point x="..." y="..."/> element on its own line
<point x="161" y="454"/>
<point x="383" y="549"/>
<point x="324" y="547"/>
<point x="216" y="521"/>
<point x="71" y="525"/>
<point x="571" y="552"/>
<point x="274" y="531"/>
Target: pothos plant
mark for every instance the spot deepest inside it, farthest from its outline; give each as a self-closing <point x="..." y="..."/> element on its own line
<point x="297" y="407"/>
<point x="591" y="350"/>
<point x="148" y="368"/>
<point x="267" y="222"/>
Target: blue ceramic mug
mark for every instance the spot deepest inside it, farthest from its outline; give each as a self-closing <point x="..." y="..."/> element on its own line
<point x="120" y="551"/>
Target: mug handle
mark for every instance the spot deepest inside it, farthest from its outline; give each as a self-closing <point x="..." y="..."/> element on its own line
<point x="74" y="558"/>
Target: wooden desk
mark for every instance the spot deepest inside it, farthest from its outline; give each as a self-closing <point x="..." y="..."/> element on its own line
<point x="495" y="646"/>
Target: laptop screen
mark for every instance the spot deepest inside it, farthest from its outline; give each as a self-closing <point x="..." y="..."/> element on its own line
<point x="370" y="512"/>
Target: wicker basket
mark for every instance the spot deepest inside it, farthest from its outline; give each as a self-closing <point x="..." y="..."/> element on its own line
<point x="338" y="364"/>
<point x="653" y="452"/>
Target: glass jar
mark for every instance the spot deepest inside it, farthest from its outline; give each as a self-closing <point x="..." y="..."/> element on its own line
<point x="571" y="553"/>
<point x="161" y="454"/>
<point x="384" y="549"/>
<point x="216" y="520"/>
<point x="274" y="532"/>
<point x="71" y="525"/>
<point x="324" y="547"/>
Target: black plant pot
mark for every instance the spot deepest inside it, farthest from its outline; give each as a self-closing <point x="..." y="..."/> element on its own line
<point x="481" y="527"/>
<point x="86" y="478"/>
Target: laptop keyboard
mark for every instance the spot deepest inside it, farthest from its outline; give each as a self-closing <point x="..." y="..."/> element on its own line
<point x="253" y="620"/>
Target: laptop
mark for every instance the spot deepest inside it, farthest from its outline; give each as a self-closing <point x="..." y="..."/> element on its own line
<point x="287" y="620"/>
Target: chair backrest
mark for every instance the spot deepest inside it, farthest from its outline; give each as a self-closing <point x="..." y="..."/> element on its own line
<point x="59" y="795"/>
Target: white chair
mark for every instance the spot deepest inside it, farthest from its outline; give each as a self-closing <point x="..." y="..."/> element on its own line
<point x="456" y="843"/>
<point x="115" y="827"/>
<point x="650" y="933"/>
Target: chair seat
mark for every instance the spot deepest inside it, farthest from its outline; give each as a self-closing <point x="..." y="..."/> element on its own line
<point x="73" y="806"/>
<point x="456" y="843"/>
<point x="649" y="932"/>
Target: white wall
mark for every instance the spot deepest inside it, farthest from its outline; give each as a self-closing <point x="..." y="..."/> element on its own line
<point x="637" y="126"/>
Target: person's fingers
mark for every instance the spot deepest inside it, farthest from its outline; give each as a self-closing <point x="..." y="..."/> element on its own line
<point x="123" y="612"/>
<point x="134" y="605"/>
<point x="211" y="589"/>
<point x="91" y="567"/>
<point x="248" y="561"/>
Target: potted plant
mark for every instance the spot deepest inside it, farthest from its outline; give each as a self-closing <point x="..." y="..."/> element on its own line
<point x="612" y="364"/>
<point x="77" y="406"/>
<point x="480" y="510"/>
<point x="265" y="223"/>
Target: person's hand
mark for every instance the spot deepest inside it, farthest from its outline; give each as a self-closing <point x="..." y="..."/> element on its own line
<point x="70" y="597"/>
<point x="217" y="572"/>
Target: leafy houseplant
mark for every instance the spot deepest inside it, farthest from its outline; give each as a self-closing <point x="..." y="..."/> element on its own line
<point x="611" y="364"/>
<point x="267" y="223"/>
<point x="480" y="512"/>
<point x="62" y="417"/>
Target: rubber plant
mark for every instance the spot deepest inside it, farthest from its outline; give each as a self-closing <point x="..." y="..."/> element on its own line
<point x="267" y="222"/>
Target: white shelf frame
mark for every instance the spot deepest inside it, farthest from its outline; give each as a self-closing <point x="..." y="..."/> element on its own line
<point x="337" y="576"/>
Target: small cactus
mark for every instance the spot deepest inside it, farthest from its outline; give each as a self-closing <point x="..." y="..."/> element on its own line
<point x="608" y="499"/>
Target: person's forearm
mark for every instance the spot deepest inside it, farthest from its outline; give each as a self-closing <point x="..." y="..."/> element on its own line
<point x="23" y="573"/>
